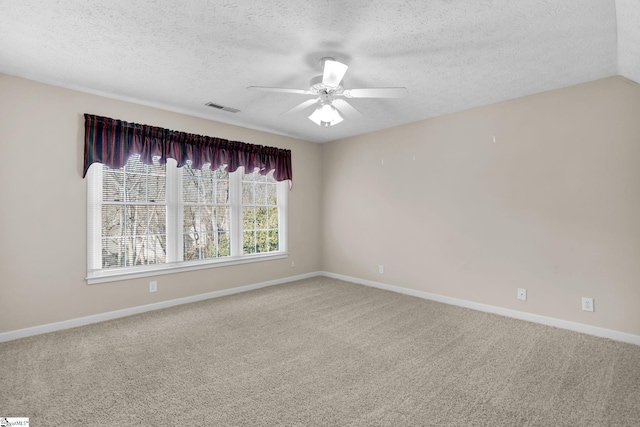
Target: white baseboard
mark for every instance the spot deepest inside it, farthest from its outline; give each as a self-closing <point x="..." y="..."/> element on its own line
<point x="81" y="321"/>
<point x="535" y="318"/>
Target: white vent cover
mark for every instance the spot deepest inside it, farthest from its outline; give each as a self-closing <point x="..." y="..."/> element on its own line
<point x="221" y="107"/>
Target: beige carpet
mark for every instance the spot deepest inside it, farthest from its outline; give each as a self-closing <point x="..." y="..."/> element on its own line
<point x="319" y="352"/>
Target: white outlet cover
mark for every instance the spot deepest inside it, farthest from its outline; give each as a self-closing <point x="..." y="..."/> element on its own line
<point x="587" y="304"/>
<point x="522" y="294"/>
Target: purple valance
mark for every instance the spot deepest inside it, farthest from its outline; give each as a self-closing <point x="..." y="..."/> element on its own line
<point x="111" y="142"/>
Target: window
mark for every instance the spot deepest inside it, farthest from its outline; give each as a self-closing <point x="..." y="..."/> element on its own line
<point x="206" y="222"/>
<point x="134" y="230"/>
<point x="259" y="214"/>
<point x="148" y="219"/>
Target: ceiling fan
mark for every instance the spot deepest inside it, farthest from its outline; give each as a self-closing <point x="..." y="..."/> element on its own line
<point x="329" y="90"/>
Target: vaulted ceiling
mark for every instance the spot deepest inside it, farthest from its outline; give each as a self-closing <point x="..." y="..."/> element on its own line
<point x="451" y="55"/>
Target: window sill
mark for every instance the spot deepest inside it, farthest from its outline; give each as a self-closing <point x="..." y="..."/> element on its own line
<point x="102" y="276"/>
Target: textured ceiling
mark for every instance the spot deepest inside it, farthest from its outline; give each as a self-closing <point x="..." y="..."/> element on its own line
<point x="451" y="55"/>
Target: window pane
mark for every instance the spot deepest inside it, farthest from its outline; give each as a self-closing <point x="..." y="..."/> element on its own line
<point x="272" y="194"/>
<point x="135" y="250"/>
<point x="112" y="185"/>
<point x="249" y="242"/>
<point x="273" y="240"/>
<point x="221" y="173"/>
<point x="189" y="187"/>
<point x="205" y="185"/>
<point x="273" y="218"/>
<point x="157" y="249"/>
<point x="247" y="192"/>
<point x="190" y="216"/>
<point x="260" y="193"/>
<point x="157" y="169"/>
<point x="134" y="165"/>
<point x="157" y="219"/>
<point x="136" y="220"/>
<point x="156" y="188"/>
<point x="135" y="187"/>
<point x="222" y="191"/>
<point x="112" y="220"/>
<point x="223" y="225"/>
<point x="190" y="246"/>
<point x="248" y="218"/>
<point x="261" y="241"/>
<point x="208" y="245"/>
<point x="210" y="237"/>
<point x="207" y="220"/>
<point x="261" y="218"/>
<point x="206" y="188"/>
<point x="224" y="246"/>
<point x="112" y="252"/>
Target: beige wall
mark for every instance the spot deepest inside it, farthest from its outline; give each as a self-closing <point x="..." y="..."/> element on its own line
<point x="43" y="208"/>
<point x="552" y="206"/>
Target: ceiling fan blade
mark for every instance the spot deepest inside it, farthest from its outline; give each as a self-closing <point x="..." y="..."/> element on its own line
<point x="333" y="72"/>
<point x="302" y="106"/>
<point x="376" y="92"/>
<point x="347" y="109"/>
<point x="280" y="90"/>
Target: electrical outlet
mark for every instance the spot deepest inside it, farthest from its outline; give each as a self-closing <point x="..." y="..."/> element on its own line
<point x="522" y="294"/>
<point x="153" y="286"/>
<point x="381" y="269"/>
<point x="587" y="304"/>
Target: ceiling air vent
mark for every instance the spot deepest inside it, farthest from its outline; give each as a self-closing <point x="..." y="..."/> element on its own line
<point x="221" y="107"/>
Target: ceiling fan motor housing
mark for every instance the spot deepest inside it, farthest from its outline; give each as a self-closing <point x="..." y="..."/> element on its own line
<point x="316" y="86"/>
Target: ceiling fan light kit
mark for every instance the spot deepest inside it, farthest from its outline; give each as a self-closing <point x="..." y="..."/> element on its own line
<point x="326" y="115"/>
<point x="327" y="87"/>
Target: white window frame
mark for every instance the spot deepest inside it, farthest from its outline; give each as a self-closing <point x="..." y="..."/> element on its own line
<point x="174" y="264"/>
